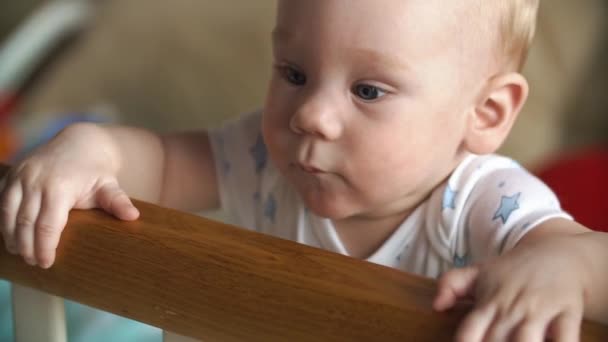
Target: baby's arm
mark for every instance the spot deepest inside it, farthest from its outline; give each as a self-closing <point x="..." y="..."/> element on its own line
<point x="189" y="180"/>
<point x="174" y="170"/>
<point x="88" y="166"/>
<point x="556" y="273"/>
<point x="588" y="248"/>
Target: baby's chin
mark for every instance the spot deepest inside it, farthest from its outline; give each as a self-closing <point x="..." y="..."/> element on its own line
<point x="329" y="198"/>
<point x="333" y="209"/>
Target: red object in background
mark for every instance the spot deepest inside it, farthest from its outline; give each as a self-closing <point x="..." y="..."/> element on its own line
<point x="7" y="105"/>
<point x="580" y="181"/>
<point x="8" y="142"/>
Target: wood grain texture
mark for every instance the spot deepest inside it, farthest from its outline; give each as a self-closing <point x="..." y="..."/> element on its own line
<point x="216" y="282"/>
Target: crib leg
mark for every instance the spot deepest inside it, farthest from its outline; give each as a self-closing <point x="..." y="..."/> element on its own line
<point x="173" y="337"/>
<point x="37" y="316"/>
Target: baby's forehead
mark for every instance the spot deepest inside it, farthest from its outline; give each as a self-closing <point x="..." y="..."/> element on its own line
<point x="463" y="16"/>
<point x="417" y="34"/>
<point x="429" y="22"/>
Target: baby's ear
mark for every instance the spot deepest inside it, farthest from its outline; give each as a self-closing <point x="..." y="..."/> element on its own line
<point x="493" y="116"/>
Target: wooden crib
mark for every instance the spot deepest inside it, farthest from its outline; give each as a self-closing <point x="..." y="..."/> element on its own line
<point x="213" y="282"/>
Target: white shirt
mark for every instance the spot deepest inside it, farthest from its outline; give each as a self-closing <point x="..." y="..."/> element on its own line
<point x="487" y="204"/>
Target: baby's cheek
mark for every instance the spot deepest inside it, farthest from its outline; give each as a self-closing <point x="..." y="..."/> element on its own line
<point x="275" y="139"/>
<point x="277" y="150"/>
<point x="384" y="177"/>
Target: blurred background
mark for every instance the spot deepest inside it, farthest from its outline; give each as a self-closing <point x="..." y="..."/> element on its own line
<point x="183" y="64"/>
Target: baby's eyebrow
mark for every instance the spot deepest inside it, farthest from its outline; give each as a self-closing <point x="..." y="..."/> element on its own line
<point x="378" y="58"/>
<point x="280" y="35"/>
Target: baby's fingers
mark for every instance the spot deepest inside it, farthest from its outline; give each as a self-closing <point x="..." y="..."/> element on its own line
<point x="51" y="222"/>
<point x="24" y="224"/>
<point x="453" y="285"/>
<point x="533" y="329"/>
<point x="547" y="323"/>
<point x="10" y="200"/>
<point x="567" y="327"/>
<point x="474" y="327"/>
<point x="115" y="201"/>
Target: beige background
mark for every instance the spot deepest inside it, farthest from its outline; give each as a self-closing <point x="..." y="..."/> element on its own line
<point x="183" y="64"/>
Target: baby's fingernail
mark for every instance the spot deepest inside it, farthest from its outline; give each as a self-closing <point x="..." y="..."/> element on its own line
<point x="133" y="213"/>
<point x="30" y="261"/>
<point x="45" y="262"/>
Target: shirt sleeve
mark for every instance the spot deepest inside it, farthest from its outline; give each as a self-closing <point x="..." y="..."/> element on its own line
<point x="240" y="158"/>
<point x="504" y="205"/>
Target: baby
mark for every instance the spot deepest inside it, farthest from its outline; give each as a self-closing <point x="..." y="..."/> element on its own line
<point x="375" y="141"/>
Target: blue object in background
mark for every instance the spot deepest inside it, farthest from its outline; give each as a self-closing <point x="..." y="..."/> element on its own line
<point x="42" y="135"/>
<point x="6" y="313"/>
<point x="85" y="324"/>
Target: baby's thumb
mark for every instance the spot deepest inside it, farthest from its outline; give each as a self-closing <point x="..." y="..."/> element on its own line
<point x="115" y="201"/>
<point x="453" y="285"/>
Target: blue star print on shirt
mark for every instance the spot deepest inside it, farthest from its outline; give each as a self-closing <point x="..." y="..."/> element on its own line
<point x="449" y="198"/>
<point x="225" y="164"/>
<point x="270" y="208"/>
<point x="459" y="261"/>
<point x="259" y="154"/>
<point x="508" y="204"/>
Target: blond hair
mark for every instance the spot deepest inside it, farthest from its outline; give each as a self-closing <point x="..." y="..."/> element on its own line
<point x="517" y="29"/>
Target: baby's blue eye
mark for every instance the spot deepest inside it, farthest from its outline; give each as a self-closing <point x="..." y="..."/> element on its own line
<point x="368" y="92"/>
<point x="293" y="76"/>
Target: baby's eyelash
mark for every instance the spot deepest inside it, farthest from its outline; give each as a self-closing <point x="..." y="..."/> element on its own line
<point x="368" y="92"/>
<point x="292" y="75"/>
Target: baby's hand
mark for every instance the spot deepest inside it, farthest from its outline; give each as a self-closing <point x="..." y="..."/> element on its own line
<point x="532" y="292"/>
<point x="72" y="171"/>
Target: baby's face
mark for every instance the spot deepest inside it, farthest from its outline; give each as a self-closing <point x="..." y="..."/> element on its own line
<point x="366" y="108"/>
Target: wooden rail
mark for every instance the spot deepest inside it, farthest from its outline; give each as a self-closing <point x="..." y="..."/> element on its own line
<point x="215" y="282"/>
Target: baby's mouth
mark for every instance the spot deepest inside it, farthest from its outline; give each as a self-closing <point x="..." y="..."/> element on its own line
<point x="309" y="168"/>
